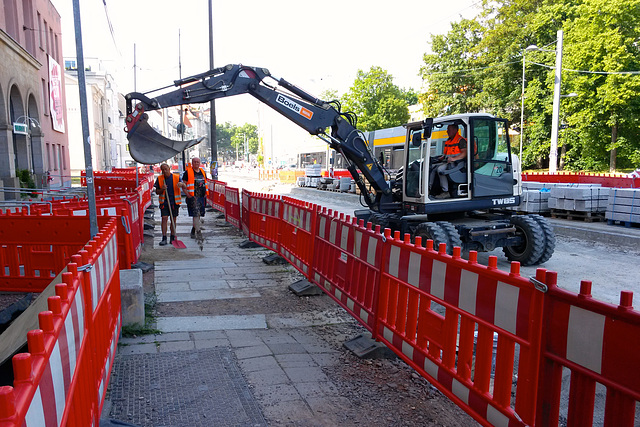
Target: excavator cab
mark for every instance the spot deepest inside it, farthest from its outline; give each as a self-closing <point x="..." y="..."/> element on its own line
<point x="433" y="185"/>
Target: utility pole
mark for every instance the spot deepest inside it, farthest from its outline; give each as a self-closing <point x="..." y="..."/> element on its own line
<point x="213" y="142"/>
<point x="82" y="88"/>
<point x="555" y="119"/>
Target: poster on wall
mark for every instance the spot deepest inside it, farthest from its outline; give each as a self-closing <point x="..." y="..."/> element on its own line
<point x="55" y="95"/>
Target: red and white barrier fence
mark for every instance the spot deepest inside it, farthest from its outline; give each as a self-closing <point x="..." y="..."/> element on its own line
<point x="472" y="330"/>
<point x="60" y="381"/>
<point x="604" y="179"/>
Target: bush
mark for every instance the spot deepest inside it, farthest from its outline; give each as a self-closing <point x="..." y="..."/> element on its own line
<point x="26" y="180"/>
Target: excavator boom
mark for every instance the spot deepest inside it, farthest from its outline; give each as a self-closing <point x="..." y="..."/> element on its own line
<point x="313" y="115"/>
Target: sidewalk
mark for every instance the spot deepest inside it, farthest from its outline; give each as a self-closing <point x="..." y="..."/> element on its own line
<point x="216" y="369"/>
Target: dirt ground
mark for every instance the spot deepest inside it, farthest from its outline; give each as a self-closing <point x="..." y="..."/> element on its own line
<point x="382" y="392"/>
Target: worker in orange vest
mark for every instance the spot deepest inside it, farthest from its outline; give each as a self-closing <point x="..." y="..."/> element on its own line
<point x="168" y="185"/>
<point x="196" y="190"/>
<point x="455" y="150"/>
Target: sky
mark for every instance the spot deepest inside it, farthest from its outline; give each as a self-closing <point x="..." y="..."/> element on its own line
<point x="317" y="46"/>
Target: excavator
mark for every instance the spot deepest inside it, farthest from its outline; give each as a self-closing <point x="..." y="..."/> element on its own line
<point x="477" y="210"/>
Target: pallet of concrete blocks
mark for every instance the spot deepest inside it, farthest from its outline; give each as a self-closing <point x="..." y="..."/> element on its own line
<point x="579" y="198"/>
<point x="624" y="206"/>
<point x="535" y="197"/>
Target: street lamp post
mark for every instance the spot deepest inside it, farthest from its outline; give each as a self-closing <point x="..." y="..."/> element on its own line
<point x="553" y="150"/>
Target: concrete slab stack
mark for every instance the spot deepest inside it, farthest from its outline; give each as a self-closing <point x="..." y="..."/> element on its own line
<point x="580" y="198"/>
<point x="624" y="205"/>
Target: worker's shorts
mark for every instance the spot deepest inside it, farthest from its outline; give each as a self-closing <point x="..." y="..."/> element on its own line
<point x="164" y="210"/>
<point x="195" y="206"/>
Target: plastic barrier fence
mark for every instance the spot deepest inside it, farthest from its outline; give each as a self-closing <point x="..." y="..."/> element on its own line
<point x="296" y="235"/>
<point x="33" y="249"/>
<point x="605" y="179"/>
<point x="267" y="174"/>
<point x="126" y="205"/>
<point x="232" y="206"/>
<point x="474" y="331"/>
<point x="246" y="202"/>
<point x="216" y="194"/>
<point x="442" y="314"/>
<point x="264" y="219"/>
<point x="347" y="263"/>
<point x="598" y="344"/>
<point x="63" y="377"/>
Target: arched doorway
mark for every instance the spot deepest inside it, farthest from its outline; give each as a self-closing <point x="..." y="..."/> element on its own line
<point x="39" y="168"/>
<point x="20" y="158"/>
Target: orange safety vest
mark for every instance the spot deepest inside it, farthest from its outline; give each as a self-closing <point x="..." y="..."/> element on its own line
<point x="191" y="182"/>
<point x="176" y="190"/>
<point x="451" y="146"/>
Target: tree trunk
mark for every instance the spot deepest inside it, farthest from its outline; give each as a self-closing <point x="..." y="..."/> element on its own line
<point x="563" y="152"/>
<point x="614" y="151"/>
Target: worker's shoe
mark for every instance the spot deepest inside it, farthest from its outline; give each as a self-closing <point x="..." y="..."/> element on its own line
<point x="193" y="232"/>
<point x="163" y="242"/>
<point x="172" y="238"/>
<point x="442" y="196"/>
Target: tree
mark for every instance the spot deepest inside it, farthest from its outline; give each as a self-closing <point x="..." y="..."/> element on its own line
<point x="477" y="66"/>
<point x="604" y="36"/>
<point x="451" y="88"/>
<point x="248" y="134"/>
<point x="376" y="101"/>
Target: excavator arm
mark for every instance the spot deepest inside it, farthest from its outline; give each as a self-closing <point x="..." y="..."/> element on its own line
<point x="313" y="115"/>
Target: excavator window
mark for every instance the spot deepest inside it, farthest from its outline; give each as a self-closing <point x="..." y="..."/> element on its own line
<point x="492" y="155"/>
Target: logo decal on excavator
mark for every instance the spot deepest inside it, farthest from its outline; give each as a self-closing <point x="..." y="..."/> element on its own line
<point x="293" y="106"/>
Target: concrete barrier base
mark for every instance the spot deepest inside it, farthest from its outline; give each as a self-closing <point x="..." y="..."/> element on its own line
<point x="132" y="297"/>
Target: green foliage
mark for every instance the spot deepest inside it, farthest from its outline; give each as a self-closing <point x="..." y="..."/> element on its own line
<point x="477" y="66"/>
<point x="376" y="101"/>
<point x="230" y="136"/>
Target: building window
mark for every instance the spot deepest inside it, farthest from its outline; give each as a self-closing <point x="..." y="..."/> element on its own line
<point x="48" y="157"/>
<point x="55" y="45"/>
<point x="51" y="41"/>
<point x="45" y="97"/>
<point x="40" y="30"/>
<point x="59" y="158"/>
<point x="46" y="36"/>
<point x="70" y="64"/>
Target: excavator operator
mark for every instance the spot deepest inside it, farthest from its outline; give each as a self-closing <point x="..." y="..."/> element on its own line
<point x="455" y="150"/>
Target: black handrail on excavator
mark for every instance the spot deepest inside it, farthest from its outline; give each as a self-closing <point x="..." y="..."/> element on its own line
<point x="312" y="114"/>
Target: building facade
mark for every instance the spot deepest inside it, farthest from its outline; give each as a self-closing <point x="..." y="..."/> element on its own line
<point x="33" y="122"/>
<point x="106" y="114"/>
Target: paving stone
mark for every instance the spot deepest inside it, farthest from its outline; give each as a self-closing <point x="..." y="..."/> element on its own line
<point x="211" y="323"/>
<point x="316" y="388"/>
<point x="209" y="294"/>
<point x="170" y="346"/>
<point x="212" y="343"/>
<point x="258" y="364"/>
<point x="208" y="335"/>
<point x="244" y="338"/>
<point x="137" y="349"/>
<point x="267" y="377"/>
<point x="212" y="391"/>
<point x="172" y="336"/>
<point x="295" y="360"/>
<point x="199" y="285"/>
<point x="286" y="348"/>
<point x="252" y="352"/>
<point x="142" y="339"/>
<point x="305" y="375"/>
<point x="272" y="394"/>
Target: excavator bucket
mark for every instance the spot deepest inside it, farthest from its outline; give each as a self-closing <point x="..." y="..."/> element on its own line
<point x="148" y="147"/>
